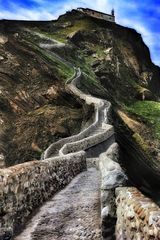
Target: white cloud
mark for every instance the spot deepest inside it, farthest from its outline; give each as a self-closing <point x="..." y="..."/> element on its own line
<point x="23" y="14"/>
<point x="48" y="10"/>
<point x="101" y="5"/>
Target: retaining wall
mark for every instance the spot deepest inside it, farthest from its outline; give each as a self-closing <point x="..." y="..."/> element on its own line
<point x="87" y="142"/>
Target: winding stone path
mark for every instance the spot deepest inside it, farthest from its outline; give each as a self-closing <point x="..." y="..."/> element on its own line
<point x="73" y="213"/>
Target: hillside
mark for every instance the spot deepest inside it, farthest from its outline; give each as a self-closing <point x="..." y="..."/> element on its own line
<point x="116" y="65"/>
<point x="35" y="108"/>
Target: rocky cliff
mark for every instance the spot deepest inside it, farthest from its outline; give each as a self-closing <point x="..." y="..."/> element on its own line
<point x="115" y="62"/>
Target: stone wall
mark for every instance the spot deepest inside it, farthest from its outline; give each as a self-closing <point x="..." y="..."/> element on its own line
<point x="52" y="149"/>
<point x="97" y="14"/>
<point x="138" y="217"/>
<point x="84" y="140"/>
<point x="112" y="176"/>
<point x="26" y="186"/>
<point x="87" y="142"/>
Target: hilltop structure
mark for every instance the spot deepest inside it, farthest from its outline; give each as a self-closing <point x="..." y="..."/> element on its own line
<point x="97" y="14"/>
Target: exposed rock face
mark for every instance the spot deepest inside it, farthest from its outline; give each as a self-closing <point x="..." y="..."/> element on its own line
<point x="3" y="40"/>
<point x="124" y="59"/>
<point x="108" y="53"/>
<point x="50" y="175"/>
<point x="120" y="62"/>
<point x="117" y="58"/>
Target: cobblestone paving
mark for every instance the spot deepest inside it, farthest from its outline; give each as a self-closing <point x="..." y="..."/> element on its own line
<point x="73" y="213"/>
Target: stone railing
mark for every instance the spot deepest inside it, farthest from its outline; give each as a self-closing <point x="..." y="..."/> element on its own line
<point x="54" y="148"/>
<point x="137" y="216"/>
<point x="25" y="186"/>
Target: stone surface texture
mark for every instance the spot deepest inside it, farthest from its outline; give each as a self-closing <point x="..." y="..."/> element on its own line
<point x="137" y="216"/>
<point x="73" y="213"/>
<point x="87" y="137"/>
<point x="112" y="176"/>
<point x="26" y="186"/>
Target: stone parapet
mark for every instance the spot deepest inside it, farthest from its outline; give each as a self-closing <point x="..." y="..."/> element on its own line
<point x="87" y="142"/>
<point x="84" y="140"/>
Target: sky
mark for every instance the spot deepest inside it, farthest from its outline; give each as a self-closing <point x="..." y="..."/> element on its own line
<point x="138" y="14"/>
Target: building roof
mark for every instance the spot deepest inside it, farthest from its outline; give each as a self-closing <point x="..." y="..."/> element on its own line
<point x="96" y="11"/>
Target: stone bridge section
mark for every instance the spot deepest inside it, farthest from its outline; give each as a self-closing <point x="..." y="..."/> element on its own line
<point x="26" y="186"/>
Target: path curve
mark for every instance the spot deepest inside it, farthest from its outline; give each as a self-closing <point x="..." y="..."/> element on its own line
<point x="96" y="133"/>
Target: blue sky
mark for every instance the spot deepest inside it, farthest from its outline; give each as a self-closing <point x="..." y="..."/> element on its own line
<point x="141" y="15"/>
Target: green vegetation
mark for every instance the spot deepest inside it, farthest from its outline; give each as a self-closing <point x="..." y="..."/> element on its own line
<point x="53" y="35"/>
<point x="86" y="68"/>
<point x="142" y="90"/>
<point x="140" y="142"/>
<point x="65" y="72"/>
<point x="62" y="70"/>
<point x="77" y="26"/>
<point x="60" y="33"/>
<point x="150" y="112"/>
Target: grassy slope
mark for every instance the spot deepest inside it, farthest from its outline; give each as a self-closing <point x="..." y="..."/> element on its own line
<point x="150" y="112"/>
<point x="62" y="70"/>
<point x="76" y="56"/>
